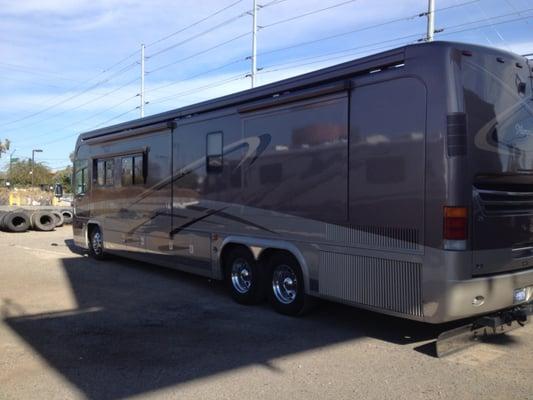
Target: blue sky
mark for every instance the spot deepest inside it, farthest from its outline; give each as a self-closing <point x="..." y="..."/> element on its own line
<point x="57" y="54"/>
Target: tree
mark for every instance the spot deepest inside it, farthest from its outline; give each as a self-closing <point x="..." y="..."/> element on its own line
<point x="4" y="146"/>
<point x="21" y="174"/>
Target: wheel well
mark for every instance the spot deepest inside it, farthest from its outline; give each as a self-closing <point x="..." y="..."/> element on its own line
<point x="90" y="228"/>
<point x="226" y="251"/>
<point x="266" y="255"/>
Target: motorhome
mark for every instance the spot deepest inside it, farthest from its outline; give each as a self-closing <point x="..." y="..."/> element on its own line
<point x="400" y="182"/>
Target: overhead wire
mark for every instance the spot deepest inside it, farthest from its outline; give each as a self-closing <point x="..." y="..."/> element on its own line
<point x="113" y="119"/>
<point x="199" y="88"/>
<point x="33" y="71"/>
<point x="75" y="87"/>
<point x="233" y="39"/>
<point x="173" y="83"/>
<point x="101" y="96"/>
<point x="194" y="23"/>
<point x="308" y="14"/>
<point x="291" y="46"/>
<point x="53" y="105"/>
<point x="77" y="122"/>
<point x="362" y="29"/>
<point x="446" y="32"/>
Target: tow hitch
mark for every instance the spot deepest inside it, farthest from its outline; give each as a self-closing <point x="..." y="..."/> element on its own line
<point x="490" y="325"/>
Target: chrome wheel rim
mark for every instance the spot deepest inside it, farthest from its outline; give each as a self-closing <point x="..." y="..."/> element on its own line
<point x="284" y="284"/>
<point x="97" y="243"/>
<point x="241" y="275"/>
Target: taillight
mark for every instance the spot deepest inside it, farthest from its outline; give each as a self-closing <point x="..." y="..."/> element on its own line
<point x="455" y="223"/>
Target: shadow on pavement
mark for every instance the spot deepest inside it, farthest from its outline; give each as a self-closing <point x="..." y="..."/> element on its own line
<point x="140" y="328"/>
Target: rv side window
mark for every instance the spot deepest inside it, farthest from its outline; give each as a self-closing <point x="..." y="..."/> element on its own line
<point x="127" y="171"/>
<point x="100" y="172"/>
<point x="214" y="152"/>
<point x="138" y="170"/>
<point x="104" y="172"/>
<point x="133" y="170"/>
<point x="80" y="177"/>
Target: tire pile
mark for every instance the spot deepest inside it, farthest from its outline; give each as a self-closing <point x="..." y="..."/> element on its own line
<point x="21" y="220"/>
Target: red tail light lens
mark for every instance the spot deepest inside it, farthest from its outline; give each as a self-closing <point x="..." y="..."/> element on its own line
<point x="455" y="223"/>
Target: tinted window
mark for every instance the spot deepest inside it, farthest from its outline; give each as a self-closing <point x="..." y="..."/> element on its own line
<point x="127" y="171"/>
<point x="80" y="176"/>
<point x="100" y="173"/>
<point x="138" y="170"/>
<point x="214" y="152"/>
<point x="109" y="164"/>
<point x="133" y="172"/>
<point x="104" y="172"/>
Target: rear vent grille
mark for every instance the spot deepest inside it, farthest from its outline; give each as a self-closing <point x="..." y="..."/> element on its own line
<point x="385" y="237"/>
<point x="494" y="202"/>
<point x="387" y="284"/>
<point x="456" y="134"/>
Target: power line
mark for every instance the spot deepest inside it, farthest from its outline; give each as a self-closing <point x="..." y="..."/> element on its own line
<point x="199" y="88"/>
<point x="195" y="23"/>
<point x="209" y="30"/>
<point x="75" y="87"/>
<point x="365" y="28"/>
<point x="128" y="99"/>
<point x="199" y="53"/>
<point x="196" y="36"/>
<point x="99" y="83"/>
<point x="295" y="64"/>
<point x="166" y="85"/>
<point x="181" y="94"/>
<point x="33" y="71"/>
<point x="308" y="13"/>
<point x="11" y="78"/>
<point x="107" y="109"/>
<point x="350" y="53"/>
<point x="272" y="3"/>
<point x="292" y="65"/>
<point x="79" y="105"/>
<point x="487" y="25"/>
<point x="112" y="119"/>
<point x="297" y="45"/>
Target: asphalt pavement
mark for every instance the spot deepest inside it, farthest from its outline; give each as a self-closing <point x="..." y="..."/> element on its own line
<point x="75" y="328"/>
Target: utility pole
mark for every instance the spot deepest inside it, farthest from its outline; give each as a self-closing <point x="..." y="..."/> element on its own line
<point x="11" y="164"/>
<point x="254" y="43"/>
<point x="33" y="164"/>
<point x="431" y="21"/>
<point x="142" y="81"/>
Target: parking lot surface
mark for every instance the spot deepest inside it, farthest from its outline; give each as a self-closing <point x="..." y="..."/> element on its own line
<point x="72" y="327"/>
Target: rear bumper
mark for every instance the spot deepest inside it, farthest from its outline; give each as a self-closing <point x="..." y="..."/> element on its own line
<point x="459" y="338"/>
<point x="461" y="299"/>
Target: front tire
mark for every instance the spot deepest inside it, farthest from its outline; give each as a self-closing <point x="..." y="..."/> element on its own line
<point x="287" y="290"/>
<point x="96" y="244"/>
<point x="244" y="277"/>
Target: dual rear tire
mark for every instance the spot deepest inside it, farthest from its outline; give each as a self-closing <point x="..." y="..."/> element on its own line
<point x="280" y="279"/>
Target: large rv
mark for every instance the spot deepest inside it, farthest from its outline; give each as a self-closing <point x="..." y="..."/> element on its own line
<point x="400" y="182"/>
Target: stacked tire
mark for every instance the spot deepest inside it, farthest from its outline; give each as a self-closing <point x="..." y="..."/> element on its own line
<point x="43" y="221"/>
<point x="21" y="220"/>
<point x="14" y="221"/>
